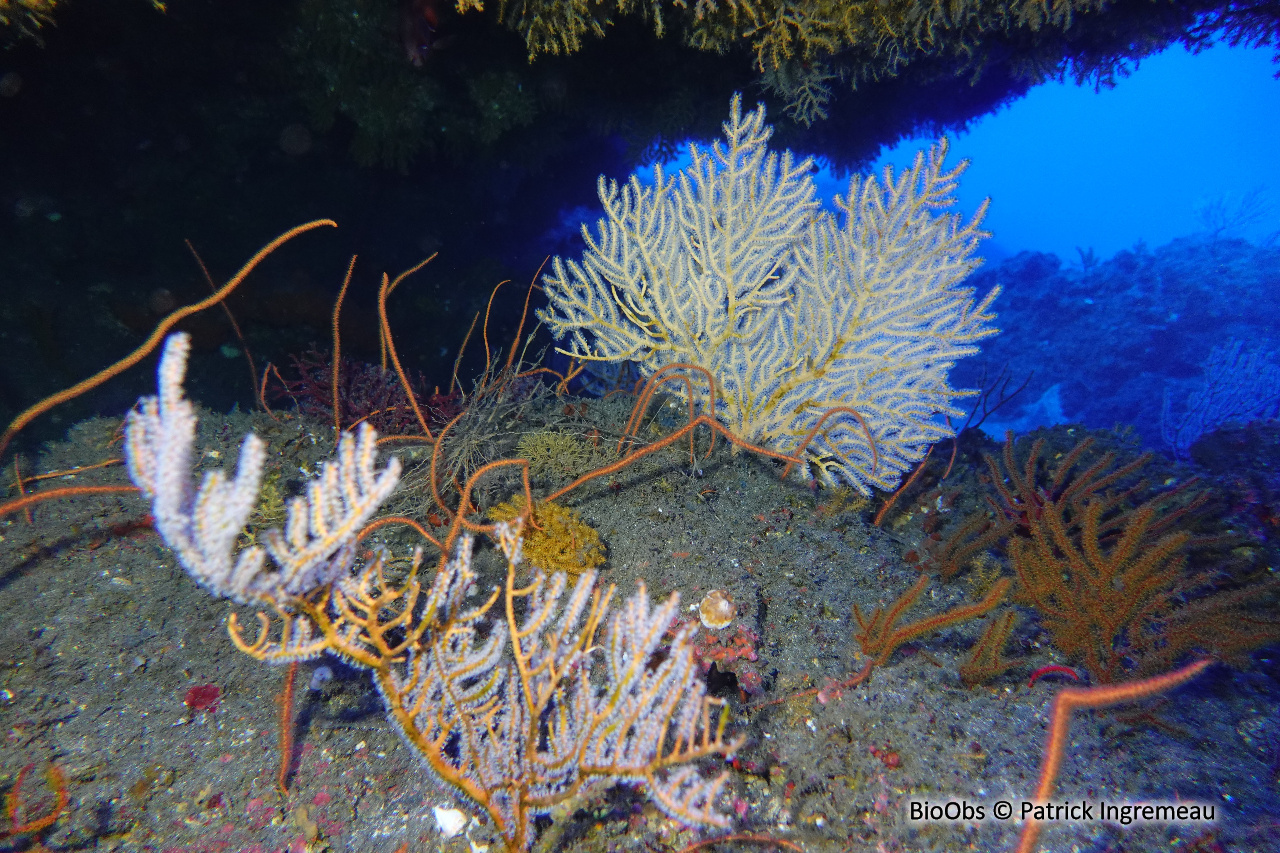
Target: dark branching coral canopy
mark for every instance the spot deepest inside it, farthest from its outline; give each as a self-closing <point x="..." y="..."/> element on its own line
<point x="815" y="41"/>
<point x="806" y="53"/>
<point x="426" y="78"/>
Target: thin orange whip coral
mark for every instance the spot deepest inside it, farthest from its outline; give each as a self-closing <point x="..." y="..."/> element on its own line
<point x="337" y="348"/>
<point x="13" y="804"/>
<point x="645" y="395"/>
<point x="156" y="337"/>
<point x="1069" y="700"/>
<point x="79" y="469"/>
<point x="457" y="362"/>
<point x="700" y="420"/>
<point x="397" y="519"/>
<point x="897" y="493"/>
<point x="285" y="739"/>
<point x="384" y="291"/>
<point x="24" y="501"/>
<point x="435" y="459"/>
<point x="484" y="330"/>
<point x="458" y="520"/>
<point x="124" y="364"/>
<point x="533" y="283"/>
<point x="68" y="492"/>
<point x="262" y="389"/>
<point x="18" y="482"/>
<point x="506" y="373"/>
<point x="253" y="369"/>
<point x="817" y="428"/>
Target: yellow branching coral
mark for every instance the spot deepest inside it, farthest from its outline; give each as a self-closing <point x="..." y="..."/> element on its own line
<point x="850" y="40"/>
<point x="558" y="26"/>
<point x="565" y="543"/>
<point x="880" y="35"/>
<point x="26" y="16"/>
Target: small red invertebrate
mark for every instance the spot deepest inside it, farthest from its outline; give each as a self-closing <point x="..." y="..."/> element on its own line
<point x="1051" y="669"/>
<point x="888" y="757"/>
<point x="205" y="697"/>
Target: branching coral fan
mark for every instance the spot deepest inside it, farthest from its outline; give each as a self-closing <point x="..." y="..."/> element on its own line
<point x="504" y="698"/>
<point x="1103" y="556"/>
<point x="832" y="334"/>
<point x="26" y="17"/>
<point x="803" y="47"/>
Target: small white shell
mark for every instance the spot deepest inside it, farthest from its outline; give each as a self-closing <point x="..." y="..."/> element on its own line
<point x="450" y="821"/>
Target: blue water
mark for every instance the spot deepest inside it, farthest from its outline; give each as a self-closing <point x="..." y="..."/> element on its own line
<point x="1068" y="166"/>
